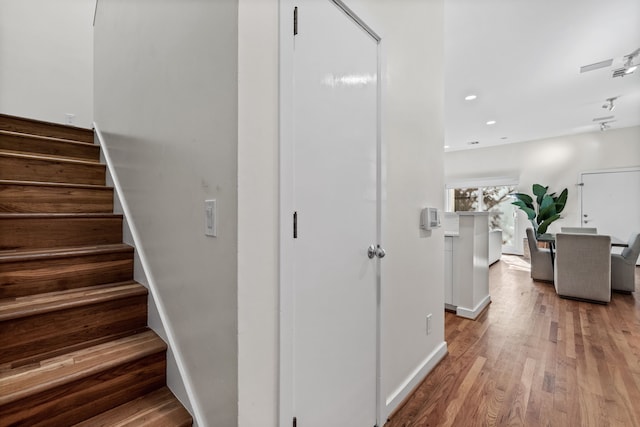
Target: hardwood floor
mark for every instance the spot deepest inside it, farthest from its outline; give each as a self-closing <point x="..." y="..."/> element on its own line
<point x="534" y="359"/>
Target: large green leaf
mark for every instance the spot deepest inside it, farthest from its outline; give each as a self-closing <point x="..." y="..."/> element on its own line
<point x="561" y="200"/>
<point x="547" y="212"/>
<point x="542" y="228"/>
<point x="539" y="191"/>
<point x="531" y="214"/>
<point x="546" y="201"/>
<point x="524" y="198"/>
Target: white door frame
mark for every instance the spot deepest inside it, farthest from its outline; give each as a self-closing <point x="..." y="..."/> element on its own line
<point x="286" y="166"/>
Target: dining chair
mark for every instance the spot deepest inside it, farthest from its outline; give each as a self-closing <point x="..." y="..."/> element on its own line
<point x="583" y="230"/>
<point x="541" y="266"/>
<point x="623" y="266"/>
<point x="583" y="266"/>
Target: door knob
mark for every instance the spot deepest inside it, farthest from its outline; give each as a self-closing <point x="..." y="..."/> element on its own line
<point x="374" y="251"/>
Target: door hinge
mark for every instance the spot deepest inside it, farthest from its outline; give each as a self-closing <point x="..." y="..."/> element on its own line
<point x="295" y="20"/>
<point x="295" y="225"/>
<point x="295" y="422"/>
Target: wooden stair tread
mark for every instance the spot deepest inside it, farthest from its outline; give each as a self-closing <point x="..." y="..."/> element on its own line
<point x="43" y="128"/>
<point x="48" y="158"/>
<point x="13" y="215"/>
<point x="28" y="380"/>
<point x="31" y="305"/>
<point x="54" y="184"/>
<point x="35" y="254"/>
<point x="158" y="409"/>
<point x="15" y="142"/>
<point x="44" y="138"/>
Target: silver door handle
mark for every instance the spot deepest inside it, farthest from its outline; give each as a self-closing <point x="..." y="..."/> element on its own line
<point x="374" y="251"/>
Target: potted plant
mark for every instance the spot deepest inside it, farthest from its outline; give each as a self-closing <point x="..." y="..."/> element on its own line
<point x="547" y="207"/>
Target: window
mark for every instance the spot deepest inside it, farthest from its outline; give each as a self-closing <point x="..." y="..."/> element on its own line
<point x="495" y="199"/>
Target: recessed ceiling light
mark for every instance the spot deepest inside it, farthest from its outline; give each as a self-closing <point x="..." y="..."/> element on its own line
<point x="491" y="122"/>
<point x="470" y="97"/>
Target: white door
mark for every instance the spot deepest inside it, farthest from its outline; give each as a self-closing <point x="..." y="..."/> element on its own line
<point x="335" y="197"/>
<point x="611" y="202"/>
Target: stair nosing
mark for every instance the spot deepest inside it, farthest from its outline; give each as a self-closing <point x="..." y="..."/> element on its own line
<point x="55" y="184"/>
<point x="48" y="138"/>
<point x="60" y="300"/>
<point x="64" y="252"/>
<point x="9" y="377"/>
<point x="4" y="153"/>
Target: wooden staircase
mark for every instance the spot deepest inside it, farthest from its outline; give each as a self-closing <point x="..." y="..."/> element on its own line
<point x="75" y="348"/>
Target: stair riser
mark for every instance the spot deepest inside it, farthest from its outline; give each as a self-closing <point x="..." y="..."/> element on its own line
<point x="36" y="127"/>
<point x="35" y="233"/>
<point x="49" y="275"/>
<point x="45" y="199"/>
<point x="30" y="336"/>
<point x="51" y="148"/>
<point x="44" y="170"/>
<point x="71" y="403"/>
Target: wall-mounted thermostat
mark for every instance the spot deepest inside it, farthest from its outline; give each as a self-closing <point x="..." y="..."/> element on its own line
<point x="429" y="218"/>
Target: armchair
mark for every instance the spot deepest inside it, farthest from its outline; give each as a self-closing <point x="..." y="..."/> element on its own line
<point x="541" y="267"/>
<point x="623" y="266"/>
<point x="583" y="267"/>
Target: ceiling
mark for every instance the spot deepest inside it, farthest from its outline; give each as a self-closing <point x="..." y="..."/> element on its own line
<point x="522" y="60"/>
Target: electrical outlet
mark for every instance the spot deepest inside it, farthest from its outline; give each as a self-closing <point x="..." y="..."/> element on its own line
<point x="70" y="118"/>
<point x="429" y="323"/>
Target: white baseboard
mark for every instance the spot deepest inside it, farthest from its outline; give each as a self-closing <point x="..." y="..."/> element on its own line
<point x="472" y="313"/>
<point x="414" y="379"/>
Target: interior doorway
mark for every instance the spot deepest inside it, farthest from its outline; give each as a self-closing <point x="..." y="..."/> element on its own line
<point x="331" y="221"/>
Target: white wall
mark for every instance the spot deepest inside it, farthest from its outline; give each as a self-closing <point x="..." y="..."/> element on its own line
<point x="555" y="162"/>
<point x="258" y="189"/>
<point x="46" y="59"/>
<point x="166" y="103"/>
<point x="412" y="275"/>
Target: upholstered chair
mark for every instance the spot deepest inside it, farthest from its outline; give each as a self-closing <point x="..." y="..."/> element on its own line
<point x="584" y="230"/>
<point x="541" y="267"/>
<point x="623" y="266"/>
<point x="583" y="267"/>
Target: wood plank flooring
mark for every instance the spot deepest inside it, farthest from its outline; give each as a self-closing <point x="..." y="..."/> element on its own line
<point x="534" y="359"/>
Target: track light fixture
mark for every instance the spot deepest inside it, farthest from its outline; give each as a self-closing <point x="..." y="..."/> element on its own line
<point x="629" y="66"/>
<point x="609" y="103"/>
<point x="604" y="126"/>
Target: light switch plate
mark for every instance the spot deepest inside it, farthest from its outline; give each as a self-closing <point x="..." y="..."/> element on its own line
<point x="210" y="227"/>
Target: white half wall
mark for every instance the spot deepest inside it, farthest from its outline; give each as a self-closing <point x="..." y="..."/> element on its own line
<point x="556" y="162"/>
<point x="412" y="133"/>
<point x="46" y="59"/>
<point x="166" y="104"/>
